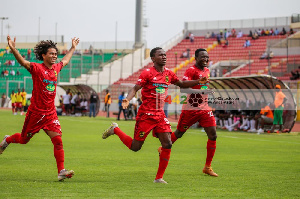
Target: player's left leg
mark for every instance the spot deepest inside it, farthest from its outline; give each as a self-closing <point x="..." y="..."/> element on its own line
<point x="166" y="143"/>
<point x="211" y="148"/>
<point x="59" y="155"/>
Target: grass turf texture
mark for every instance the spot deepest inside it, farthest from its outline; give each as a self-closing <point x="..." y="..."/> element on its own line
<point x="249" y="165"/>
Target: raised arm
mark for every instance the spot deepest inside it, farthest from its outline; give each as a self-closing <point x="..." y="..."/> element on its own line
<point x="18" y="56"/>
<point x="130" y="95"/>
<point x="65" y="60"/>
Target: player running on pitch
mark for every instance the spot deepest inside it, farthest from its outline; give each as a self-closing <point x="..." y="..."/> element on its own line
<point x="41" y="113"/>
<point x="202" y="113"/>
<point x="155" y="82"/>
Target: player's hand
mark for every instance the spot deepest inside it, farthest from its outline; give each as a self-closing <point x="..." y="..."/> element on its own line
<point x="75" y="42"/>
<point x="203" y="80"/>
<point x="125" y="103"/>
<point x="10" y="42"/>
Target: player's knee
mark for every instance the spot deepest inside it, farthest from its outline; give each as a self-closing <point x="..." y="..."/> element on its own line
<point x="137" y="148"/>
<point x="167" y="145"/>
<point x="213" y="137"/>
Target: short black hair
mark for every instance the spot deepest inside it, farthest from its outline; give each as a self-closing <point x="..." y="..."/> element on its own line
<point x="153" y="51"/>
<point x="198" y="50"/>
<point x="42" y="48"/>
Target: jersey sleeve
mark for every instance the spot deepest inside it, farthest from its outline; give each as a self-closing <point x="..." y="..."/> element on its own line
<point x="187" y="75"/>
<point x="143" y="79"/>
<point x="59" y="66"/>
<point x="174" y="77"/>
<point x="33" y="68"/>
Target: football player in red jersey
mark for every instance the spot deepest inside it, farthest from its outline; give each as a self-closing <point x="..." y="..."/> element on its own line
<point x="203" y="113"/>
<point x="154" y="83"/>
<point x="41" y="113"/>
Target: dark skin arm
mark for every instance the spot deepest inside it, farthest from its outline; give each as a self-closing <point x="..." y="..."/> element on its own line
<point x="130" y="95"/>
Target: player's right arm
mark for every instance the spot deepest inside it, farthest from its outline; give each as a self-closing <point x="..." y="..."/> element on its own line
<point x="130" y="95"/>
<point x="18" y="56"/>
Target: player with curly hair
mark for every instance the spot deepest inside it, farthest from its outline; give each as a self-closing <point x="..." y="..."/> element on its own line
<point x="41" y="113"/>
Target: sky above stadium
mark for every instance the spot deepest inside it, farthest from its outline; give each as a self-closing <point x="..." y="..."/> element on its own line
<point x="95" y="20"/>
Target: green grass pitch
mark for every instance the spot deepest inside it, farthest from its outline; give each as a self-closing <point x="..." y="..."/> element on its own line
<point x="249" y="165"/>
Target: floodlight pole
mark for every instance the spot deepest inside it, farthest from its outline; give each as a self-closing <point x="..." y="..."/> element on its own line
<point x="2" y="18"/>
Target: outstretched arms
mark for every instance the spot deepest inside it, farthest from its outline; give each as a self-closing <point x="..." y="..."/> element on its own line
<point x="65" y="60"/>
<point x="18" y="56"/>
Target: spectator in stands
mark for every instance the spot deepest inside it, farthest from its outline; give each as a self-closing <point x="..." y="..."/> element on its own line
<point x="233" y="32"/>
<point x="291" y="31"/>
<point x="121" y="109"/>
<point x="2" y="73"/>
<point x="250" y="34"/>
<point x="13" y="62"/>
<point x="283" y="32"/>
<point x="184" y="55"/>
<point x="107" y="102"/>
<point x="192" y="38"/>
<point x="93" y="103"/>
<point x="3" y="100"/>
<point x="259" y="32"/>
<point x="263" y="33"/>
<point x="6" y="73"/>
<point x="219" y="38"/>
<point x="279" y="100"/>
<point x="267" y="32"/>
<point x="255" y="35"/>
<point x="295" y="74"/>
<point x="271" y="31"/>
<point x="12" y="72"/>
<point x="213" y="35"/>
<point x="247" y="43"/>
<point x="240" y="34"/>
<point x="7" y="50"/>
<point x="208" y="35"/>
<point x="224" y="43"/>
<point x="29" y="54"/>
<point x="18" y="73"/>
<point x="276" y="32"/>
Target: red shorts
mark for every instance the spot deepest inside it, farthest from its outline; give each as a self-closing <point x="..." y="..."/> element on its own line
<point x="145" y="123"/>
<point x="35" y="122"/>
<point x="188" y="118"/>
<point x="13" y="105"/>
<point x="19" y="104"/>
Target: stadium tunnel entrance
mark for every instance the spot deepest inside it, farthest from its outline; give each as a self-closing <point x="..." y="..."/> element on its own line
<point x="85" y="91"/>
<point x="257" y="89"/>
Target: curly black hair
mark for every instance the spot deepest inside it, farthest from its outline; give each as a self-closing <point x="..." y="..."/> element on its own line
<point x="42" y="48"/>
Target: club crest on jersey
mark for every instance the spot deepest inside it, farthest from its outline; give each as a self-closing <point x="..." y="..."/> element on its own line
<point x="142" y="134"/>
<point x="55" y="73"/>
<point x="160" y="90"/>
<point x="167" y="78"/>
<point x="50" y="87"/>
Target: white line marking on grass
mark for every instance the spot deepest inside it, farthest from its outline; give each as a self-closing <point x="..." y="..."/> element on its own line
<point x="262" y="140"/>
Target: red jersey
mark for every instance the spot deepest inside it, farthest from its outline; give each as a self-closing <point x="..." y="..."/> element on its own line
<point x="194" y="73"/>
<point x="155" y="89"/>
<point x="44" y="87"/>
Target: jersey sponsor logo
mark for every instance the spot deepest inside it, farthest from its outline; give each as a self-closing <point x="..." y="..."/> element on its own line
<point x="160" y="85"/>
<point x="50" y="87"/>
<point x="49" y="81"/>
<point x="55" y="73"/>
<point x="142" y="134"/>
<point x="160" y="90"/>
<point x="167" y="78"/>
